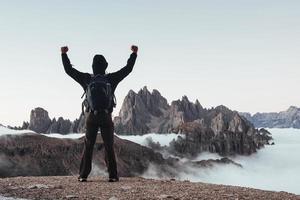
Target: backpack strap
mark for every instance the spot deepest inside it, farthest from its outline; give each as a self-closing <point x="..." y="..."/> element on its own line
<point x="83" y="94"/>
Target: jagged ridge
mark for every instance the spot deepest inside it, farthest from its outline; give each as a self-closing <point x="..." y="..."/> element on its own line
<point x="218" y="130"/>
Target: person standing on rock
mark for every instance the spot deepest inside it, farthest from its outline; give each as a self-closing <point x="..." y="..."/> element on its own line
<point x="99" y="88"/>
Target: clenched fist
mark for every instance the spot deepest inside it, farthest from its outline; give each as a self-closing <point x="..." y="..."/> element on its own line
<point x="134" y="49"/>
<point x="64" y="49"/>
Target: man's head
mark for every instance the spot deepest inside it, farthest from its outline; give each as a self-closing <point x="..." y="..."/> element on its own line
<point x="99" y="64"/>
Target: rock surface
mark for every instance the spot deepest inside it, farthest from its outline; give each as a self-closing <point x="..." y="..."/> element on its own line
<point x="284" y="119"/>
<point x="146" y="112"/>
<point x="62" y="187"/>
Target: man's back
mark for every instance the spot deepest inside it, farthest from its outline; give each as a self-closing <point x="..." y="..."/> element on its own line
<point x="101" y="119"/>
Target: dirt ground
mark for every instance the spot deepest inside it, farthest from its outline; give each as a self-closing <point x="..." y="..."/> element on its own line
<point x="67" y="187"/>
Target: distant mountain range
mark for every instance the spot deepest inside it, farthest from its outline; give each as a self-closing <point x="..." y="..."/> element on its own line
<point x="284" y="119"/>
<point x="146" y="112"/>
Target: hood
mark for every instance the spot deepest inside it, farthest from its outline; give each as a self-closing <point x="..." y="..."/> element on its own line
<point x="99" y="64"/>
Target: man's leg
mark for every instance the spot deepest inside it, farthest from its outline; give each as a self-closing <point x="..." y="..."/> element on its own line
<point x="89" y="141"/>
<point x="107" y="133"/>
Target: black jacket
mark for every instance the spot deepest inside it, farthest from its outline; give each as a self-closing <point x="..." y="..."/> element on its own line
<point x="84" y="78"/>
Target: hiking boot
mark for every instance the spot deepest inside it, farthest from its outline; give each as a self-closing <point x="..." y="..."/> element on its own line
<point x="80" y="179"/>
<point x="115" y="179"/>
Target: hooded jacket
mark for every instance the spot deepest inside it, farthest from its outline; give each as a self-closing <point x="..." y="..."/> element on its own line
<point x="99" y="66"/>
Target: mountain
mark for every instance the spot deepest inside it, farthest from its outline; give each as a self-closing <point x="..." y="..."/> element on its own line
<point x="217" y="130"/>
<point x="146" y="112"/>
<point x="284" y="119"/>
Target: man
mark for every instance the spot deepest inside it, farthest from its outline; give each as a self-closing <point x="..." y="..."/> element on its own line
<point x="102" y="119"/>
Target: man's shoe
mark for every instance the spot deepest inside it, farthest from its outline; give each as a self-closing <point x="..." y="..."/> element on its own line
<point x="80" y="179"/>
<point x="116" y="179"/>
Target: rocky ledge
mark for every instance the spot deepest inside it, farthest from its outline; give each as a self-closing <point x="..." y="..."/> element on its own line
<point x="62" y="187"/>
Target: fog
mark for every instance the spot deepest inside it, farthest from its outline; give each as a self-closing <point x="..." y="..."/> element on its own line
<point x="6" y="131"/>
<point x="68" y="136"/>
<point x="163" y="139"/>
<point x="275" y="167"/>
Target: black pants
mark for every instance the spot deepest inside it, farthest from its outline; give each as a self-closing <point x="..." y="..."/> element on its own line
<point x="106" y="125"/>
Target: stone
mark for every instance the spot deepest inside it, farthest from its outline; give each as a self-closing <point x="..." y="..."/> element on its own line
<point x="165" y="196"/>
<point x="71" y="197"/>
<point x="39" y="186"/>
<point x="126" y="188"/>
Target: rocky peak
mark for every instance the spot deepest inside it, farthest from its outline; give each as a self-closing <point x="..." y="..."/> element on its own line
<point x="293" y="108"/>
<point x="142" y="102"/>
<point x="131" y="93"/>
<point x="223" y="109"/>
<point x="197" y="103"/>
<point x="39" y="120"/>
<point x="153" y="102"/>
<point x="186" y="110"/>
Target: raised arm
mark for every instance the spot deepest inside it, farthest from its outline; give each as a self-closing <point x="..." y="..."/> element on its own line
<point x="74" y="73"/>
<point x="122" y="73"/>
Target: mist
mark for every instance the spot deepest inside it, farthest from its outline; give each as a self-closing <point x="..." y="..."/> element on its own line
<point x="67" y="136"/>
<point x="6" y="131"/>
<point x="275" y="167"/>
<point x="163" y="139"/>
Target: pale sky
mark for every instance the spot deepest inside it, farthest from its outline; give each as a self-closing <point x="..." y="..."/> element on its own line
<point x="243" y="54"/>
